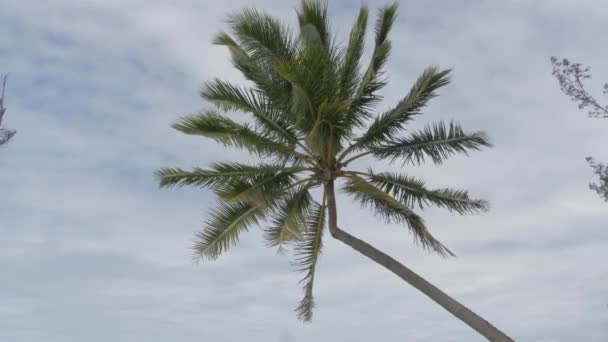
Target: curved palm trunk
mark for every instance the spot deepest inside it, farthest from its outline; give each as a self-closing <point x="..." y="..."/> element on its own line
<point x="473" y="320"/>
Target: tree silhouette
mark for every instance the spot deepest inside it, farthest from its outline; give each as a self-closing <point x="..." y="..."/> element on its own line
<point x="571" y="78"/>
<point x="5" y="134"/>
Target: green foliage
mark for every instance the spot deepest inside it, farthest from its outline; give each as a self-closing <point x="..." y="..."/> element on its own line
<point x="349" y="74"/>
<point x="289" y="219"/>
<point x="261" y="190"/>
<point x="231" y="133"/>
<point x="435" y="142"/>
<point x="391" y="122"/>
<point x="305" y="100"/>
<point x="314" y="24"/>
<point x="230" y="97"/>
<point x="393" y="211"/>
<point x="258" y="71"/>
<point x="372" y="79"/>
<point x="262" y="36"/>
<point x="220" y="173"/>
<point x="227" y="222"/>
<point x="412" y="192"/>
<point x="307" y="255"/>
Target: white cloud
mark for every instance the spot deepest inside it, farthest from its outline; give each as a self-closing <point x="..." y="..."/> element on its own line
<point x="95" y="252"/>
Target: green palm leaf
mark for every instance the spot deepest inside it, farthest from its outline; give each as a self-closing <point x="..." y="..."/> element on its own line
<point x="349" y="72"/>
<point x="373" y="80"/>
<point x="412" y="192"/>
<point x="262" y="36"/>
<point x="308" y="251"/>
<point x="314" y="24"/>
<point x="314" y="79"/>
<point x="262" y="40"/>
<point x="330" y="128"/>
<point x="303" y="85"/>
<point x="261" y="73"/>
<point x="231" y="133"/>
<point x="290" y="217"/>
<point x="261" y="190"/>
<point x="393" y="211"/>
<point x="222" y="230"/>
<point x="219" y="173"/>
<point x="391" y="122"/>
<point x="230" y="97"/>
<point x="436" y="142"/>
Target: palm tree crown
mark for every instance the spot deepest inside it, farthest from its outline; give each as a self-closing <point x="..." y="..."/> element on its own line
<point x="312" y="104"/>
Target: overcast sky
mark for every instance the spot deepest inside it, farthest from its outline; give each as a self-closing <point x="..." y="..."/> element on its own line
<point x="92" y="250"/>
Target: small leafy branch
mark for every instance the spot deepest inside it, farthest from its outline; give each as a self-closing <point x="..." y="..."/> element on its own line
<point x="5" y="134"/>
<point x="571" y="77"/>
<point x="602" y="171"/>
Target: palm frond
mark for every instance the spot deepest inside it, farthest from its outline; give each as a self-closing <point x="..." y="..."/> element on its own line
<point x="301" y="106"/>
<point x="219" y="173"/>
<point x="314" y="80"/>
<point x="231" y="133"/>
<point x="223" y="228"/>
<point x="393" y="210"/>
<point x="330" y="128"/>
<point x="231" y="97"/>
<point x="266" y="80"/>
<point x="437" y="142"/>
<point x="290" y="216"/>
<point x="373" y="80"/>
<point x="413" y="192"/>
<point x="307" y="252"/>
<point x="314" y="23"/>
<point x="391" y="122"/>
<point x="349" y="72"/>
<point x="386" y="19"/>
<point x="262" y="36"/>
<point x="261" y="190"/>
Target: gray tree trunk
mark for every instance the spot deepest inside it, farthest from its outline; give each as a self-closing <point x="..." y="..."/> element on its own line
<point x="473" y="320"/>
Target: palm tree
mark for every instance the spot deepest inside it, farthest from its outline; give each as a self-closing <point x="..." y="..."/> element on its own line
<point x="312" y="104"/>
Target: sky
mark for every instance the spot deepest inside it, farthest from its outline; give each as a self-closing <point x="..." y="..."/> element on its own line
<point x="92" y="250"/>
